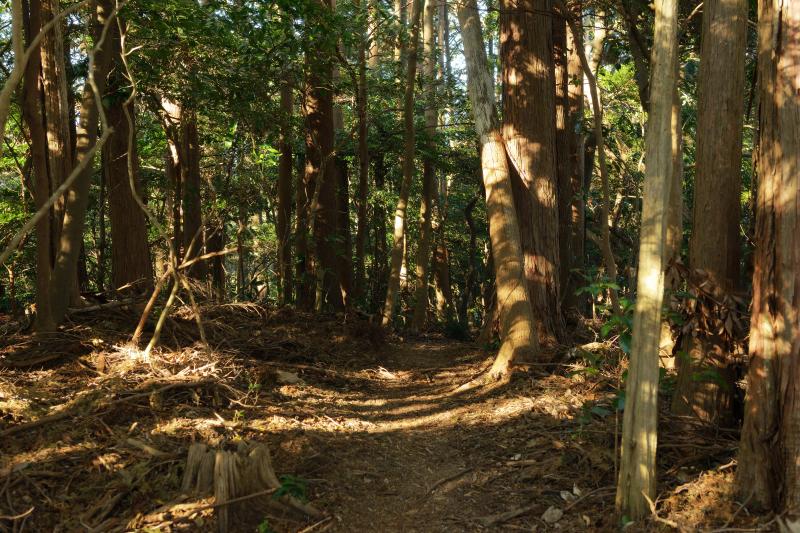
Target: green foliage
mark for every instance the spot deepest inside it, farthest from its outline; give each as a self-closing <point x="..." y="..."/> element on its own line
<point x="292" y="486"/>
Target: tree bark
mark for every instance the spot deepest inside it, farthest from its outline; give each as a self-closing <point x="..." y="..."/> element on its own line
<point x="285" y="166"/>
<point x="130" y="251"/>
<point x="577" y="190"/>
<point x="517" y="326"/>
<point x="321" y="180"/>
<point x="192" y="205"/>
<point x="529" y="132"/>
<point x="77" y="197"/>
<point x="637" y="475"/>
<point x="32" y="114"/>
<point x="714" y="246"/>
<point x="428" y="170"/>
<point x="393" y="290"/>
<point x="562" y="152"/>
<point x="769" y="473"/>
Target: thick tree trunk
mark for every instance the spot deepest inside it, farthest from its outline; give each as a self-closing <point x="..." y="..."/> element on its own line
<point x="320" y="178"/>
<point x="637" y="475"/>
<point x="526" y="48"/>
<point x="428" y="171"/>
<point x="393" y="290"/>
<point x="285" y="166"/>
<point x="130" y="251"/>
<point x="769" y="473"/>
<point x="77" y="197"/>
<point x="714" y="246"/>
<point x="517" y="326"/>
<point x="301" y="274"/>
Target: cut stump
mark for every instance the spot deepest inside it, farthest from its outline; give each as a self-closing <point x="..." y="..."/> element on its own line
<point x="243" y="482"/>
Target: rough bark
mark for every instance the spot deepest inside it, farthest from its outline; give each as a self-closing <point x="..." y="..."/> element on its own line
<point x="576" y="191"/>
<point x="714" y="246"/>
<point x="77" y="197"/>
<point x="562" y="152"/>
<point x="637" y="475"/>
<point x="33" y="115"/>
<point x="130" y="251"/>
<point x="321" y="182"/>
<point x="517" y="326"/>
<point x="191" y="200"/>
<point x="428" y="170"/>
<point x="397" y="253"/>
<point x="769" y="473"/>
<point x="285" y="166"/>
<point x="529" y="132"/>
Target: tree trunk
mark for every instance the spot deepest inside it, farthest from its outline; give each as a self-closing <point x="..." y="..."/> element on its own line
<point x="428" y="171"/>
<point x="674" y="235"/>
<point x="526" y="49"/>
<point x="576" y="191"/>
<point x="637" y="475"/>
<point x="321" y="180"/>
<point x="192" y="206"/>
<point x="769" y="473"/>
<point x="285" y="166"/>
<point x="77" y="197"/>
<point x="379" y="261"/>
<point x="393" y="290"/>
<point x="562" y="152"/>
<point x="32" y="114"/>
<point x="363" y="155"/>
<point x="598" y="141"/>
<point x="714" y="246"/>
<point x="301" y="273"/>
<point x="517" y="327"/>
<point x="130" y="251"/>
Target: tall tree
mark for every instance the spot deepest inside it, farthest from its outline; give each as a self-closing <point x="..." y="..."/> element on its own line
<point x="130" y="251"/>
<point x="637" y="474"/>
<point x="368" y="14"/>
<point x="320" y="172"/>
<point x="769" y="473"/>
<point x="428" y="168"/>
<point x="77" y="196"/>
<point x="526" y="50"/>
<point x="517" y="326"/>
<point x="285" y="166"/>
<point x="714" y="246"/>
<point x="398" y="245"/>
<point x="191" y="186"/>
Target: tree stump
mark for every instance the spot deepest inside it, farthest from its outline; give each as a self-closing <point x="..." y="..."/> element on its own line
<point x="243" y="482"/>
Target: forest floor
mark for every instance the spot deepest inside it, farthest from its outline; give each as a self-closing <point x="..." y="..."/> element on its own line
<point x="374" y="432"/>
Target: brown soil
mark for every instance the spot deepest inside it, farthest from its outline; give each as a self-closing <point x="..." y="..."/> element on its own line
<point x="377" y="431"/>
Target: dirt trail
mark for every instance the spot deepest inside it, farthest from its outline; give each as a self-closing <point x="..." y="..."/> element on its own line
<point x="398" y="449"/>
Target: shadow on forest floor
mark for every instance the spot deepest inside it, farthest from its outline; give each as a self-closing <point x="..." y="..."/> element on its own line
<point x="374" y="429"/>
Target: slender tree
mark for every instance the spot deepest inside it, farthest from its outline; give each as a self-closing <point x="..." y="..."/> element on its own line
<point x="637" y="474"/>
<point x="398" y="246"/>
<point x="285" y="166"/>
<point x="429" y="168"/>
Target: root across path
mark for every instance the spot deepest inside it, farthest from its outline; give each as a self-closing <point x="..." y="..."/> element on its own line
<point x="370" y="435"/>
